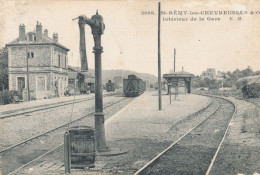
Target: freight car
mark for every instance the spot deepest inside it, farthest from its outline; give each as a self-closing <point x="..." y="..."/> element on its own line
<point x="110" y="87"/>
<point x="133" y="86"/>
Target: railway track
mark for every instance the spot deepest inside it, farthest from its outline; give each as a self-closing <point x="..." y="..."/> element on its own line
<point x="13" y="113"/>
<point x="195" y="151"/>
<point x="21" y="154"/>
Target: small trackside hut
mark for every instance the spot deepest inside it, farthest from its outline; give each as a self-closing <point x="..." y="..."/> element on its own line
<point x="181" y="81"/>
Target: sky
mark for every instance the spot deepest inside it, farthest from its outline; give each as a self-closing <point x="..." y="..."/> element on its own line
<point x="130" y="39"/>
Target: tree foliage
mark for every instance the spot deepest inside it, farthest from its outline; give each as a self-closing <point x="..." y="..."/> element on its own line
<point x="251" y="90"/>
<point x="240" y="84"/>
<point x="3" y="69"/>
<point x="209" y="83"/>
<point x="6" y="97"/>
<point x="229" y="79"/>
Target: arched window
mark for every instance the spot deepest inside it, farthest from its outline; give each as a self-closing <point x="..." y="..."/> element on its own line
<point x="30" y="37"/>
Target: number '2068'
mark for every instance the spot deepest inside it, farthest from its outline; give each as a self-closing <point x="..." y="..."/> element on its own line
<point x="147" y="13"/>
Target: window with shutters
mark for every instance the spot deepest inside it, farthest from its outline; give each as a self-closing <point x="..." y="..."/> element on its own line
<point x="30" y="55"/>
<point x="20" y="83"/>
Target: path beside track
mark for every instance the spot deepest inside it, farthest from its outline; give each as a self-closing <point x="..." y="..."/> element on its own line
<point x="11" y="110"/>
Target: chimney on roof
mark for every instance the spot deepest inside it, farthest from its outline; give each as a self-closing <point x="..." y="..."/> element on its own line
<point x="55" y="37"/>
<point x="46" y="32"/>
<point x="38" y="32"/>
<point x="22" y="36"/>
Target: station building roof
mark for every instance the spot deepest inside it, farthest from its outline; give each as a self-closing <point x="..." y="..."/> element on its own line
<point x="75" y="71"/>
<point x="45" y="41"/>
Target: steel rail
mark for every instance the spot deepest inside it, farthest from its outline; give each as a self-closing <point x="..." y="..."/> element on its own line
<point x="53" y="149"/>
<point x="173" y="144"/>
<point x="37" y="158"/>
<point x="45" y="133"/>
<point x="53" y="105"/>
<point x="216" y="153"/>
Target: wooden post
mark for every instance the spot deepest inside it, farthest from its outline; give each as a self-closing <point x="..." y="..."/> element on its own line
<point x="189" y="88"/>
<point x="159" y="59"/>
<point x="170" y="94"/>
<point x="175" y="92"/>
<point x="67" y="160"/>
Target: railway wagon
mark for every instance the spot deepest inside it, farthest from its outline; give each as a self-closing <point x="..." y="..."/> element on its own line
<point x="110" y="87"/>
<point x="133" y="86"/>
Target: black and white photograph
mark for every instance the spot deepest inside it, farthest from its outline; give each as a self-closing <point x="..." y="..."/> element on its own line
<point x="128" y="87"/>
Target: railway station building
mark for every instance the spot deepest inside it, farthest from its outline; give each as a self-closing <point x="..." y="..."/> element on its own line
<point x="40" y="60"/>
<point x="210" y="73"/>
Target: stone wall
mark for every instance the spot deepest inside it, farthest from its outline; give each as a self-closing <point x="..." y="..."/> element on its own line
<point x="19" y="57"/>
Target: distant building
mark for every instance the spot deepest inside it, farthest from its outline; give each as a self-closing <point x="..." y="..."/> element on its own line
<point x="82" y="81"/>
<point x="75" y="78"/>
<point x="47" y="63"/>
<point x="209" y="73"/>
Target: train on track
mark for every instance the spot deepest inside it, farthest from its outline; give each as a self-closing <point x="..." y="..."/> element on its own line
<point x="133" y="86"/>
<point x="110" y="87"/>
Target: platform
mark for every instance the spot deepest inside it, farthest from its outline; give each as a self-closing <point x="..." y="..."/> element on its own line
<point x="10" y="108"/>
<point x="143" y="119"/>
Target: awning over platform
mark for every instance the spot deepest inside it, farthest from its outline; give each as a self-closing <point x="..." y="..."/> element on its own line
<point x="180" y="78"/>
<point x="180" y="74"/>
<point x="73" y="75"/>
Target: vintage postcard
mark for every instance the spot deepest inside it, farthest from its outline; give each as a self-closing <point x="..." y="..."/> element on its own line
<point x="130" y="87"/>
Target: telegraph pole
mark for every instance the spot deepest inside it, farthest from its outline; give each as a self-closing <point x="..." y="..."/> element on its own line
<point x="174" y="71"/>
<point x="159" y="58"/>
<point x="27" y="73"/>
<point x="174" y="59"/>
<point x="170" y="85"/>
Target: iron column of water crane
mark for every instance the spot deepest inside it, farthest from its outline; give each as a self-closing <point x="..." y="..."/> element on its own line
<point x="97" y="27"/>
